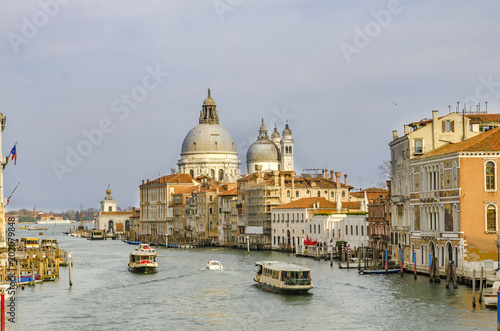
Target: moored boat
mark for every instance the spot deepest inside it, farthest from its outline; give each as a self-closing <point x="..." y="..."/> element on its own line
<point x="373" y="271"/>
<point x="214" y="265"/>
<point x="143" y="259"/>
<point x="283" y="277"/>
<point x="490" y="295"/>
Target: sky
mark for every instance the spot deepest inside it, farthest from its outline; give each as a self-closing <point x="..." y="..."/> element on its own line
<point x="99" y="93"/>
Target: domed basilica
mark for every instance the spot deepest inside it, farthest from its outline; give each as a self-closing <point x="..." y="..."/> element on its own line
<point x="209" y="149"/>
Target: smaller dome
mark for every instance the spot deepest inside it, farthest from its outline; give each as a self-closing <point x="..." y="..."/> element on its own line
<point x="263" y="151"/>
<point x="209" y="101"/>
<point x="287" y="132"/>
<point x="275" y="135"/>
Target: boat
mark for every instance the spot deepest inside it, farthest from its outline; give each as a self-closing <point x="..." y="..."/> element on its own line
<point x="143" y="259"/>
<point x="53" y="222"/>
<point x="32" y="227"/>
<point x="373" y="271"/>
<point x="282" y="277"/>
<point x="353" y="263"/>
<point x="214" y="265"/>
<point x="96" y="235"/>
<point x="490" y="295"/>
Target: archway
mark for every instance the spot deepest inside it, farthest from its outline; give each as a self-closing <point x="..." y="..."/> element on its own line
<point x="110" y="226"/>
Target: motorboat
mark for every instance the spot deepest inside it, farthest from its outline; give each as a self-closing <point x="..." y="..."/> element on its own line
<point x="143" y="259"/>
<point x="490" y="295"/>
<point x="214" y="265"/>
<point x="283" y="277"/>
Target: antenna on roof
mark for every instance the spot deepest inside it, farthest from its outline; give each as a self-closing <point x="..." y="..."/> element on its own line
<point x="449" y="109"/>
<point x="486" y="105"/>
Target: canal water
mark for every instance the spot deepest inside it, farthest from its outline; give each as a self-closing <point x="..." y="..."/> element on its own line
<point x="184" y="295"/>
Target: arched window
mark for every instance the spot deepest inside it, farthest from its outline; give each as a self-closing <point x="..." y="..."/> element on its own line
<point x="290" y="150"/>
<point x="319" y="194"/>
<point x="212" y="173"/>
<point x="221" y="174"/>
<point x="211" y="225"/>
<point x="490" y="175"/>
<point x="286" y="150"/>
<point x="191" y="172"/>
<point x="296" y="194"/>
<point x="491" y="218"/>
<point x="288" y="193"/>
<point x="455" y="175"/>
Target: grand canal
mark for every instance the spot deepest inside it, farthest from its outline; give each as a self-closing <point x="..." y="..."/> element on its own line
<point x="184" y="295"/>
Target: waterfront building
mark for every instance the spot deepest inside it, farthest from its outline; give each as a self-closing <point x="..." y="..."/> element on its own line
<point x="353" y="229"/>
<point x="228" y="216"/>
<point x="454" y="202"/>
<point x="379" y="223"/>
<point x="419" y="138"/>
<point x="291" y="222"/>
<point x="209" y="149"/>
<point x="109" y="218"/>
<point x="156" y="208"/>
<point x="261" y="191"/>
<point x="273" y="154"/>
<point x="371" y="193"/>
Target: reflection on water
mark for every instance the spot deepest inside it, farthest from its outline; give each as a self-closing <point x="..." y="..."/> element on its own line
<point x="185" y="295"/>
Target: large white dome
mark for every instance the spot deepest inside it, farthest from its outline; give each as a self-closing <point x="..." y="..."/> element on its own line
<point x="208" y="138"/>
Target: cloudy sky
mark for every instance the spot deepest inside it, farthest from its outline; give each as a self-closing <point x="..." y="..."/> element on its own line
<point x="100" y="93"/>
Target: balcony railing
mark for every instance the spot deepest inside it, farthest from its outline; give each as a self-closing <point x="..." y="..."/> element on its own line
<point x="430" y="234"/>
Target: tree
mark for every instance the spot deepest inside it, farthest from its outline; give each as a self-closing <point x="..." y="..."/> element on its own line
<point x="384" y="173"/>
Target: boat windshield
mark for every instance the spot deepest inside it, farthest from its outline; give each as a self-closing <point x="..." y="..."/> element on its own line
<point x="296" y="277"/>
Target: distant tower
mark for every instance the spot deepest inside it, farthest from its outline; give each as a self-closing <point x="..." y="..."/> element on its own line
<point x="34" y="212"/>
<point x="275" y="137"/>
<point x="108" y="204"/>
<point x="287" y="150"/>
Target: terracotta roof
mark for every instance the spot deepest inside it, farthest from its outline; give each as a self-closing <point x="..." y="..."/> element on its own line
<point x="234" y="191"/>
<point x="484" y="142"/>
<point x="130" y="212"/>
<point x="483" y="118"/>
<point x="171" y="179"/>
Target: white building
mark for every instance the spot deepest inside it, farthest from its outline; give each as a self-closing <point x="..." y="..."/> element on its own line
<point x="293" y="222"/>
<point x="353" y="229"/>
<point x="209" y="149"/>
<point x="111" y="220"/>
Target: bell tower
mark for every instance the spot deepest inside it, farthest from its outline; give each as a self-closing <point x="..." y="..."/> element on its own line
<point x="287" y="150"/>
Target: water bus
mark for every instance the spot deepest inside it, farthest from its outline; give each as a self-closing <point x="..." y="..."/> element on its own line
<point x="97" y="235"/>
<point x="28" y="243"/>
<point x="490" y="295"/>
<point x="283" y="277"/>
<point x="143" y="259"/>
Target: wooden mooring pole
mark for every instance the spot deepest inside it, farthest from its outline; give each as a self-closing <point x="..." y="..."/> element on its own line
<point x="70" y="266"/>
<point x="474" y="288"/>
<point x="481" y="286"/>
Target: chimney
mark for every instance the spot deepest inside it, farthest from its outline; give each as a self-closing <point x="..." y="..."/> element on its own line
<point x="337" y="175"/>
<point x="407" y="129"/>
<point x="143" y="182"/>
<point x="293" y="179"/>
<point x="282" y="180"/>
<point x="331" y="174"/>
<point x="434" y="128"/>
<point x="276" y="179"/>
<point x="345" y="179"/>
<point x="388" y="188"/>
<point x="394" y="134"/>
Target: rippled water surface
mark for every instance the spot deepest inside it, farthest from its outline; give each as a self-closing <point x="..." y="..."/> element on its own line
<point x="185" y="295"/>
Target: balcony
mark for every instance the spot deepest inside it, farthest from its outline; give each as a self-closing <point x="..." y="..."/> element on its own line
<point x="430" y="234"/>
<point x="429" y="196"/>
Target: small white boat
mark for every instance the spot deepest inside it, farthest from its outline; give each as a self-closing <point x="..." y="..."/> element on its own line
<point x="143" y="259"/>
<point x="490" y="295"/>
<point x="214" y="265"/>
<point x="283" y="277"/>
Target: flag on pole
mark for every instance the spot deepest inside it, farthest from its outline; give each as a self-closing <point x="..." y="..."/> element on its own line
<point x="13" y="154"/>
